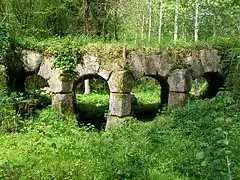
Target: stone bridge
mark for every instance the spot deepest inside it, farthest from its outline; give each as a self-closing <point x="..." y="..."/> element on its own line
<point x="174" y="71"/>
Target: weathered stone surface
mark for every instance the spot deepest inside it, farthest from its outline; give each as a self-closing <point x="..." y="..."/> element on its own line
<point x="46" y="68"/>
<point x="120" y="104"/>
<point x="120" y="82"/>
<point x="89" y="65"/>
<point x="63" y="103"/>
<point x="58" y="84"/>
<point x="209" y="60"/>
<point x="136" y="65"/>
<point x="113" y="121"/>
<point x="31" y="60"/>
<point x="196" y="66"/>
<point x="152" y="64"/>
<point x="180" y="80"/>
<point x="177" y="99"/>
<point x="165" y="64"/>
<point x="104" y="74"/>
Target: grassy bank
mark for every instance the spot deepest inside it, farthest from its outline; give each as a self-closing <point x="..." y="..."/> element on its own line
<point x="199" y="141"/>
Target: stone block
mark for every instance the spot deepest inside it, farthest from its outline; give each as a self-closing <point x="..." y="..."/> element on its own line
<point x="165" y="64"/>
<point x="58" y="83"/>
<point x="88" y="66"/>
<point x="120" y="104"/>
<point x="113" y="121"/>
<point x="46" y="68"/>
<point x="31" y="60"/>
<point x="104" y="74"/>
<point x="136" y="65"/>
<point x="177" y="99"/>
<point x="180" y="80"/>
<point x="63" y="103"/>
<point x="209" y="60"/>
<point x="120" y="82"/>
<point x="196" y="67"/>
<point x="151" y="64"/>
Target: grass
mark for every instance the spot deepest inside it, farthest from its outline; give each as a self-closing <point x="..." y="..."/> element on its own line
<point x="188" y="143"/>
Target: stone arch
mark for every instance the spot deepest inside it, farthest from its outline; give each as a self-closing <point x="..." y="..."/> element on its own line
<point x="94" y="112"/>
<point x="215" y="81"/>
<point x="162" y="97"/>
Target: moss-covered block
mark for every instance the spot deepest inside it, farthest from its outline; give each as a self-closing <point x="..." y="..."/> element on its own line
<point x="177" y="99"/>
<point x="180" y="80"/>
<point x="120" y="82"/>
<point x="60" y="82"/>
<point x="113" y="121"/>
<point x="120" y="104"/>
<point x="63" y="103"/>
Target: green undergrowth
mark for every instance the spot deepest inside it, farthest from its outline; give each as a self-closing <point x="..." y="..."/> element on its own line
<point x="68" y="51"/>
<point x="199" y="141"/>
<point x="55" y="45"/>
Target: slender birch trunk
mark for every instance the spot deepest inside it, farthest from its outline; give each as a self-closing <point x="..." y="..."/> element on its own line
<point x="150" y="21"/>
<point x="87" y="89"/>
<point x="143" y="24"/>
<point x="160" y="20"/>
<point x="196" y="38"/>
<point x="214" y="25"/>
<point x="175" y="36"/>
<point x="196" y="21"/>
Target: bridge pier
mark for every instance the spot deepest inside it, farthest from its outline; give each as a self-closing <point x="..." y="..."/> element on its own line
<point x="61" y="86"/>
<point x="179" y="86"/>
<point x="120" y="85"/>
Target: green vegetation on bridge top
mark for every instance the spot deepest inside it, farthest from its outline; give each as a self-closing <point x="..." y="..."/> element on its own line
<point x="58" y="45"/>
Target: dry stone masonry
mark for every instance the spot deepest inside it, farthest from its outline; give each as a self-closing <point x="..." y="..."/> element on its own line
<point x="175" y="80"/>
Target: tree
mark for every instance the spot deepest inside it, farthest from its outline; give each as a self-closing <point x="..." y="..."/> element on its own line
<point x="175" y="35"/>
<point x="87" y="88"/>
<point x="160" y="20"/>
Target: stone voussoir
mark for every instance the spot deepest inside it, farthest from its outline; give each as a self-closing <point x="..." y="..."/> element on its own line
<point x="31" y="60"/>
<point x="210" y="60"/>
<point x="89" y="65"/>
<point x="45" y="70"/>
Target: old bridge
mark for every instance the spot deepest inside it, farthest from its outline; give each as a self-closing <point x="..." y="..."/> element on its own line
<point x="174" y="74"/>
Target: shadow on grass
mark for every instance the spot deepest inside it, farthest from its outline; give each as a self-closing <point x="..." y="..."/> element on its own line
<point x="91" y="114"/>
<point x="145" y="112"/>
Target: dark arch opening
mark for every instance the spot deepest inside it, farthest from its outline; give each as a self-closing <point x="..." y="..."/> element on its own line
<point x="92" y="108"/>
<point x="35" y="82"/>
<point x="215" y="81"/>
<point x="157" y="89"/>
<point x="33" y="96"/>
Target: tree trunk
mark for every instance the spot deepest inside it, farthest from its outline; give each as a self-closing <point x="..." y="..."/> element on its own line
<point x="160" y="20"/>
<point x="87" y="88"/>
<point x="175" y="36"/>
<point x="86" y="16"/>
<point x="196" y="21"/>
<point x="143" y="23"/>
<point x="150" y="21"/>
<point x="214" y="25"/>
<point x="196" y="39"/>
